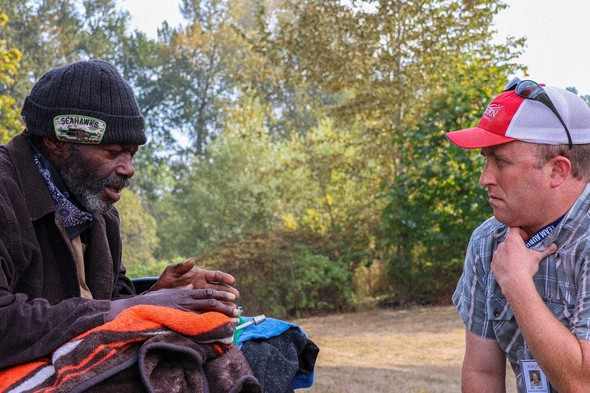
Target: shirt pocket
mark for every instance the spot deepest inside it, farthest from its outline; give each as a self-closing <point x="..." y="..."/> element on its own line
<point x="504" y="325"/>
<point x="498" y="309"/>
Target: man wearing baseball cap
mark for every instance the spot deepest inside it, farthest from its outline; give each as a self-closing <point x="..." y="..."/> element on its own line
<point x="61" y="272"/>
<point x="524" y="294"/>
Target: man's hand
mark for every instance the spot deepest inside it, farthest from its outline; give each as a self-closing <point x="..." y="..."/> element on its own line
<point x="513" y="262"/>
<point x="185" y="276"/>
<point x="196" y="300"/>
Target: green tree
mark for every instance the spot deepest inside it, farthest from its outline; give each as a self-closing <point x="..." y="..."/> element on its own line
<point x="225" y="194"/>
<point x="138" y="231"/>
<point x="10" y="123"/>
<point x="281" y="273"/>
<point x="46" y="33"/>
<point x="435" y="201"/>
<point x="194" y="79"/>
<point x="333" y="188"/>
<point x="103" y="31"/>
<point x="51" y="33"/>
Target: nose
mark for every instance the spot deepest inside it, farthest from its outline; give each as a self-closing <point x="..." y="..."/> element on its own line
<point x="125" y="166"/>
<point x="487" y="176"/>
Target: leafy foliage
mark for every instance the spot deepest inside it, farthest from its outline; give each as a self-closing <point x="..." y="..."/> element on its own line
<point x="435" y="200"/>
<point x="9" y="64"/>
<point x="52" y="33"/>
<point x="138" y="231"/>
<point x="282" y="274"/>
<point x="226" y="194"/>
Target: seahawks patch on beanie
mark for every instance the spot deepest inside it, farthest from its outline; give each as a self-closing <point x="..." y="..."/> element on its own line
<point x="79" y="129"/>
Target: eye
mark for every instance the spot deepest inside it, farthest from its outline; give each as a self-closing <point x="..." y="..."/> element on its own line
<point x="113" y="152"/>
<point x="501" y="162"/>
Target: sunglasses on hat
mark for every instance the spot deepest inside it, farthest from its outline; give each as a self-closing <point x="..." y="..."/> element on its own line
<point x="533" y="91"/>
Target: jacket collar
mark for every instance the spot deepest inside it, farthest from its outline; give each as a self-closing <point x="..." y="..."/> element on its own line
<point x="38" y="203"/>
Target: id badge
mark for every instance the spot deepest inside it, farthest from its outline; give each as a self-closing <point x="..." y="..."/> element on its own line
<point x="534" y="379"/>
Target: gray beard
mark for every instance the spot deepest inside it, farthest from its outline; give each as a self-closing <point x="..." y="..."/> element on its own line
<point x="89" y="198"/>
<point x="84" y="186"/>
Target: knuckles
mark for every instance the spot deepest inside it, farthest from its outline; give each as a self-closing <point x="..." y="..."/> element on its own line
<point x="212" y="303"/>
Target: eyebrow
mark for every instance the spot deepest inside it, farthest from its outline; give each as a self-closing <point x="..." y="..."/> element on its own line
<point x="131" y="148"/>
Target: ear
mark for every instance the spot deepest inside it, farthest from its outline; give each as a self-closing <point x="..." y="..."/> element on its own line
<point x="561" y="169"/>
<point x="55" y="148"/>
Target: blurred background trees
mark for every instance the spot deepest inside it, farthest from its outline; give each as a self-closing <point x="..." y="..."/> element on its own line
<point x="297" y="144"/>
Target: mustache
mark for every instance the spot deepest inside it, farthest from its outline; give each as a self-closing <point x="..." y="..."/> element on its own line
<point x="113" y="181"/>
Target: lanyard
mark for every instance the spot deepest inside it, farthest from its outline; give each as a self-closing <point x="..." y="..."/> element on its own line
<point x="542" y="233"/>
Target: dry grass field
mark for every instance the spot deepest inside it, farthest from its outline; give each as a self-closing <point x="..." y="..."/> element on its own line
<point x="416" y="350"/>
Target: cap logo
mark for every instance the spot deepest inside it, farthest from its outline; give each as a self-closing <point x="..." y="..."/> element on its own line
<point x="491" y="111"/>
<point x="79" y="129"/>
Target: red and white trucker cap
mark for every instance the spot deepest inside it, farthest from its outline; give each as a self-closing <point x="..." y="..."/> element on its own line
<point x="510" y="117"/>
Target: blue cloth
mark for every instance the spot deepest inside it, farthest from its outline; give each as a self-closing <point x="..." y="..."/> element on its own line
<point x="274" y="328"/>
<point x="269" y="328"/>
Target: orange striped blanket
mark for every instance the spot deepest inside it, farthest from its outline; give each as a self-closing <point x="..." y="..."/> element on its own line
<point x="146" y="348"/>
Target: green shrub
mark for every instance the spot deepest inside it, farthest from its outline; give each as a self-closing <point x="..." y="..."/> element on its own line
<point x="282" y="275"/>
<point x="149" y="269"/>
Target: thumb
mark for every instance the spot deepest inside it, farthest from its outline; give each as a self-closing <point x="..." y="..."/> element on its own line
<point x="185" y="266"/>
<point x="548" y="251"/>
<point x="517" y="231"/>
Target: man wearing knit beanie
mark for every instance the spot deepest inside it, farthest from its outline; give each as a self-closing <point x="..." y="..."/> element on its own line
<point x="61" y="272"/>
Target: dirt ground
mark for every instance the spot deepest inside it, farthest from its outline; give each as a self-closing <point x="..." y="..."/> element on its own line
<point x="418" y="350"/>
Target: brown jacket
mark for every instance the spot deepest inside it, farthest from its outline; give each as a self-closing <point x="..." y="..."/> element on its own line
<point x="40" y="303"/>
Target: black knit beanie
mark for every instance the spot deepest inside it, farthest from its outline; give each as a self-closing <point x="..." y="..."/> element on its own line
<point x="84" y="102"/>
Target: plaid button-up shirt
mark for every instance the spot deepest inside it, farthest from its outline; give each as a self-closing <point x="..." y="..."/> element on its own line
<point x="563" y="282"/>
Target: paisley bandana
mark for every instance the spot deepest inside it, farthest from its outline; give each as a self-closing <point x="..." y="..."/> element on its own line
<point x="74" y="219"/>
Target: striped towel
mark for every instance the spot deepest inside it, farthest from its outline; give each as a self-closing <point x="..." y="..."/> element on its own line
<point x="146" y="348"/>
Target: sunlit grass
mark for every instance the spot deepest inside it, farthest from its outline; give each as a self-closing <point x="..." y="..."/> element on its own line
<point x="386" y="350"/>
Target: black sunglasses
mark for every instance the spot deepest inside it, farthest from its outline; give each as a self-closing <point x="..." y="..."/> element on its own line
<point x="532" y="91"/>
